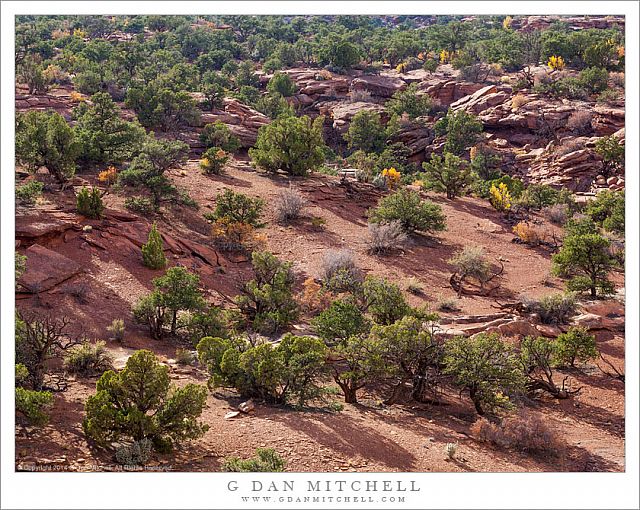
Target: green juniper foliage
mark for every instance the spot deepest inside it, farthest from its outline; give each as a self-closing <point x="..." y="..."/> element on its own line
<point x="152" y="252"/>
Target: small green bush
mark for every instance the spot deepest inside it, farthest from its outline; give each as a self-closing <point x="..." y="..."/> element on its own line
<point x="238" y="208"/>
<point x="285" y="373"/>
<point x="138" y="402"/>
<point x="152" y="252"/>
<point x="384" y="300"/>
<point x="117" y="329"/>
<point x="575" y="345"/>
<point x="265" y="461"/>
<point x="267" y="300"/>
<point x="218" y="134"/>
<point x="88" y="359"/>
<point x="554" y="308"/>
<point x="413" y="213"/>
<point x="137" y="453"/>
<point x="139" y="205"/>
<point x="28" y="193"/>
<point x="33" y="405"/>
<point x="340" y="321"/>
<point x="487" y="368"/>
<point x="281" y="84"/>
<point x="594" y="79"/>
<point x="213" y="160"/>
<point x="89" y="203"/>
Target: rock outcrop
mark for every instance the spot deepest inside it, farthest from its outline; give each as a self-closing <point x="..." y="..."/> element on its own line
<point x="45" y="269"/>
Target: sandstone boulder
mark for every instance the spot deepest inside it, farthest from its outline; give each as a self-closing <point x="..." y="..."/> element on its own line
<point x="45" y="269"/>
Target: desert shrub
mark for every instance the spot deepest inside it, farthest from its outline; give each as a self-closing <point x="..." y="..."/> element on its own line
<point x="366" y="132"/>
<point x="580" y="122"/>
<point x="210" y="321"/>
<point x="557" y="214"/>
<point x="430" y="65"/>
<point x="213" y="160"/>
<point x="359" y="96"/>
<point x="391" y="178"/>
<point x="386" y="237"/>
<point x="575" y="345"/>
<point x="521" y="432"/>
<point x="448" y="305"/>
<point x="185" y="357"/>
<point x="314" y="296"/>
<point x="39" y="341"/>
<point x="285" y="373"/>
<point x="89" y="203"/>
<point x="148" y="168"/>
<point x="28" y="193"/>
<point x="140" y="205"/>
<point x="238" y="208"/>
<point x="88" y="359"/>
<point x="288" y="205"/>
<point x="486" y="367"/>
<point x="528" y="233"/>
<point x="33" y="405"/>
<point x="609" y="96"/>
<point x="553" y="309"/>
<point x="282" y="84"/>
<point x="414" y="286"/>
<point x="594" y="79"/>
<point x="461" y="130"/>
<point x="450" y="175"/>
<point x="45" y="139"/>
<point x="267" y="301"/>
<point x="409" y="102"/>
<point x="108" y="176"/>
<point x="412" y="354"/>
<point x="292" y="144"/>
<point x="117" y="329"/>
<point x="611" y="150"/>
<point x="152" y="252"/>
<point x="500" y="197"/>
<point x="472" y="262"/>
<point x="266" y="460"/>
<point x="586" y="259"/>
<point x="138" y="402"/>
<point x="413" y="213"/>
<point x="356" y="362"/>
<point x="608" y="211"/>
<point x="137" y="453"/>
<point x="218" y="134"/>
<point x="339" y="271"/>
<point x="340" y="321"/>
<point x="537" y="196"/>
<point x="518" y="100"/>
<point x="174" y="292"/>
<point x="514" y="187"/>
<point x="384" y="300"/>
<point x="235" y="236"/>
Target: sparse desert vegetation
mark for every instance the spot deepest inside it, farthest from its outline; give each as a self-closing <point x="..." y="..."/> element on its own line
<point x="318" y="243"/>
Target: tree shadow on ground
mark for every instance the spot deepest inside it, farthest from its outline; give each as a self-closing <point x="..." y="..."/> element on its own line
<point x="350" y="437"/>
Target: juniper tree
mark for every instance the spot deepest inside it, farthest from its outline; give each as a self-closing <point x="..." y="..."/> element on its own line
<point x="139" y="402"/>
<point x="152" y="252"/>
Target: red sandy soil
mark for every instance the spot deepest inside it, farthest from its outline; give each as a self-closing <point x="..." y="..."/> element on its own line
<point x="365" y="437"/>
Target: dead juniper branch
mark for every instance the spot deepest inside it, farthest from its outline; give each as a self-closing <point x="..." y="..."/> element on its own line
<point x="40" y="339"/>
<point x="467" y="271"/>
<point x="617" y="374"/>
